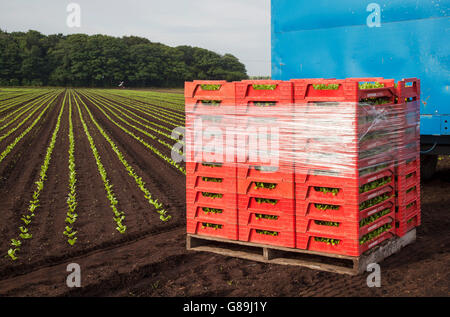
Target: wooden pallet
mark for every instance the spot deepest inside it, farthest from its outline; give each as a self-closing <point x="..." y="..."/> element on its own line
<point x="287" y="256"/>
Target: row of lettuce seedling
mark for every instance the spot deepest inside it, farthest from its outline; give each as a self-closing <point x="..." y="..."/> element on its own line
<point x="25" y="233"/>
<point x="119" y="216"/>
<point x="154" y="150"/>
<point x="131" y="172"/>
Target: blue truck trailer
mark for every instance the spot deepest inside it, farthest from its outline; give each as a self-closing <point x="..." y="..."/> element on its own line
<point x="391" y="39"/>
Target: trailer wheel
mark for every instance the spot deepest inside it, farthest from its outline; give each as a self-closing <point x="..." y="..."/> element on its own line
<point x="428" y="165"/>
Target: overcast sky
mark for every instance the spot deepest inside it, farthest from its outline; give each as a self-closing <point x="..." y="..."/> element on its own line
<point x="239" y="27"/>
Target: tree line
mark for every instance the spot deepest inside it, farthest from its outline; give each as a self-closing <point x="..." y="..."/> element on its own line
<point x="80" y="60"/>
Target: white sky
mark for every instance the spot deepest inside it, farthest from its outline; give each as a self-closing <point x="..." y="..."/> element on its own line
<point x="239" y="27"/>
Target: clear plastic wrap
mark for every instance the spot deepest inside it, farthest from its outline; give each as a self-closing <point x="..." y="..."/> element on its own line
<point x="342" y="139"/>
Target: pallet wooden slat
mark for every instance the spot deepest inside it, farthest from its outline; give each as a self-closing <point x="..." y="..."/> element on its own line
<point x="289" y="256"/>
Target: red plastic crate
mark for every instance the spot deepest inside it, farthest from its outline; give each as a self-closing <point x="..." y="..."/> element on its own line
<point x="248" y="218"/>
<point x="409" y="116"/>
<point x="282" y="190"/>
<point x="283" y="238"/>
<point x="206" y="140"/>
<point x="265" y="172"/>
<point x="228" y="200"/>
<point x="365" y="117"/>
<point x="280" y="98"/>
<point x="406" y="166"/>
<point x="404" y="197"/>
<point x="404" y="227"/>
<point x="353" y="149"/>
<point x="404" y="182"/>
<point x="387" y="139"/>
<point x="313" y="177"/>
<point x="348" y="90"/>
<point x="196" y="182"/>
<point x="194" y="94"/>
<point x="345" y="212"/>
<point x="346" y="195"/>
<point x="229" y="214"/>
<point x="349" y="247"/>
<point x="228" y="231"/>
<point x="405" y="212"/>
<point x="223" y="170"/>
<point x="345" y="230"/>
<point x="277" y="153"/>
<point x="408" y="151"/>
<point x="408" y="88"/>
<point x="217" y="119"/>
<point x="352" y="169"/>
<point x="249" y="203"/>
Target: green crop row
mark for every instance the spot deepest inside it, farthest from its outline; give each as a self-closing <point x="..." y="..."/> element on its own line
<point x="25" y="233"/>
<point x="72" y="195"/>
<point x="161" y="113"/>
<point x="26" y="100"/>
<point x="27" y="106"/>
<point x="152" y="148"/>
<point x="119" y="216"/>
<point x="139" y="181"/>
<point x="108" y="105"/>
<point x="11" y="146"/>
<point x="24" y="120"/>
<point x="118" y="107"/>
<point x="169" y="146"/>
<point x="155" y="114"/>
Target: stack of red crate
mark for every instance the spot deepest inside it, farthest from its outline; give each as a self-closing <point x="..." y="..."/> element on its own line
<point x="408" y="158"/>
<point x="211" y="187"/>
<point x="265" y="183"/>
<point x="347" y="171"/>
<point x="350" y="208"/>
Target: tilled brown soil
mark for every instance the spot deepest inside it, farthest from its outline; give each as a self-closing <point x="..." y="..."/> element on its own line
<point x="151" y="258"/>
